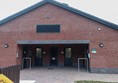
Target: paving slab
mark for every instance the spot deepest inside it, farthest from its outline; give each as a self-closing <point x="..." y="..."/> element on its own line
<point x="63" y="75"/>
<point x="27" y="81"/>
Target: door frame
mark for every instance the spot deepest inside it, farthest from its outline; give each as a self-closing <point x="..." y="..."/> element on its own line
<point x="65" y="57"/>
<point x="56" y="55"/>
<point x="24" y="54"/>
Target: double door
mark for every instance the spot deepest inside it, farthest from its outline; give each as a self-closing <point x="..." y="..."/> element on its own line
<point x="53" y="56"/>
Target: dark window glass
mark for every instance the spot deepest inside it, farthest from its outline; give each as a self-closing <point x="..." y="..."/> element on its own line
<point x="48" y="28"/>
<point x="38" y="52"/>
<point x="68" y="52"/>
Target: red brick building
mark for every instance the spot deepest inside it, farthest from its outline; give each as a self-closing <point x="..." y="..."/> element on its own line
<point x="54" y="34"/>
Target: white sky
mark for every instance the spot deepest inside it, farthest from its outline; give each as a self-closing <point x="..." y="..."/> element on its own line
<point x="105" y="9"/>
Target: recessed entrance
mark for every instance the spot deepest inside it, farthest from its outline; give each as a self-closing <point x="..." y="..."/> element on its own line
<point x="53" y="56"/>
<point x="56" y="55"/>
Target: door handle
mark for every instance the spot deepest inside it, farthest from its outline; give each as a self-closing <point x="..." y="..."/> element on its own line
<point x="53" y="58"/>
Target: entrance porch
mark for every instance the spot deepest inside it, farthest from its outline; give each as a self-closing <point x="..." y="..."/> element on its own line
<point x="55" y="54"/>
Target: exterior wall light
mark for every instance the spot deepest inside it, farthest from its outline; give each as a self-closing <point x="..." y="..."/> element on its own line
<point x="101" y="45"/>
<point x="6" y="45"/>
<point x="62" y="52"/>
<point x="99" y="29"/>
<point x="44" y="52"/>
<point x="17" y="55"/>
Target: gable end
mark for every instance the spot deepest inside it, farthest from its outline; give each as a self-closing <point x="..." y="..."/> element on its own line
<point x="109" y="24"/>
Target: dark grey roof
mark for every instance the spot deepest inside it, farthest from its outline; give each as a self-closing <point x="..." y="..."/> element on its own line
<point x="111" y="25"/>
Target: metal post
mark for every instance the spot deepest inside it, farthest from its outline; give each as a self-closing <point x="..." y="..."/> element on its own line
<point x="26" y="58"/>
<point x="79" y="63"/>
<point x="87" y="63"/>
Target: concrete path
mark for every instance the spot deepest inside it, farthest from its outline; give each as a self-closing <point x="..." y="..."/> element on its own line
<point x="63" y="75"/>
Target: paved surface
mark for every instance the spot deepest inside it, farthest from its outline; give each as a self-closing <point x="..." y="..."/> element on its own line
<point x="27" y="81"/>
<point x="63" y="75"/>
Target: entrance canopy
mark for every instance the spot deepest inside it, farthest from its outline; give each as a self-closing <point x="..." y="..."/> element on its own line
<point x="53" y="42"/>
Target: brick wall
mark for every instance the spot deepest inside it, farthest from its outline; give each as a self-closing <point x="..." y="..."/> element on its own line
<point x="73" y="27"/>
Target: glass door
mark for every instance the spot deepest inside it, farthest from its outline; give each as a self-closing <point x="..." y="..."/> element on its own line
<point x="68" y="57"/>
<point x="38" y="57"/>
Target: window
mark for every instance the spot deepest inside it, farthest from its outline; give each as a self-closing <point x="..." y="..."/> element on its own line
<point x="48" y="28"/>
<point x="38" y="52"/>
<point x="68" y="52"/>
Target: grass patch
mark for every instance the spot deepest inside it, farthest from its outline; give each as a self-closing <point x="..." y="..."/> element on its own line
<point x="91" y="82"/>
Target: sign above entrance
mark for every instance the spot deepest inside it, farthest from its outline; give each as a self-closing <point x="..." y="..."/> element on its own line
<point x="94" y="50"/>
